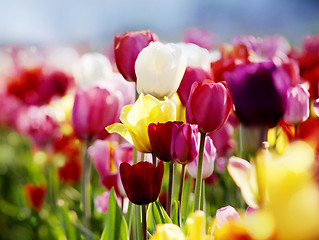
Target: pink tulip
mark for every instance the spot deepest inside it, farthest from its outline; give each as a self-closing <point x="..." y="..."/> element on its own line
<point x="208" y="160"/>
<point x="200" y="37"/>
<point x="126" y="48"/>
<point x="102" y="202"/>
<point x="93" y="110"/>
<point x="297" y="105"/>
<point x="209" y="105"/>
<point x="226" y="214"/>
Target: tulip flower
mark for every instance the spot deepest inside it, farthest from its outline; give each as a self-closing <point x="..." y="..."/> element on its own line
<point x="102" y="202"/>
<point x="297" y="105"/>
<point x="90" y="68"/>
<point x="259" y="92"/>
<point x="209" y="105"/>
<point x="200" y="37"/>
<point x="226" y="214"/>
<point x="184" y="143"/>
<point x="160" y="135"/>
<point x="208" y="160"/>
<point x="136" y="118"/>
<point x="126" y="49"/>
<point x="191" y="75"/>
<point x="70" y="172"/>
<point x="35" y="195"/>
<point x="316" y="107"/>
<point x="159" y="69"/>
<point x="142" y="181"/>
<point x="94" y="109"/>
<point x="168" y="232"/>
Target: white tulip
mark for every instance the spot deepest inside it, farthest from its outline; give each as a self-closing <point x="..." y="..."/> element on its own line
<point x="159" y="69"/>
<point x="90" y="68"/>
<point x="196" y="56"/>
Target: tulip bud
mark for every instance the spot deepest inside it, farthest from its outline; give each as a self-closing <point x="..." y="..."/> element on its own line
<point x="160" y="69"/>
<point x="160" y="135"/>
<point x="297" y="105"/>
<point x="191" y="75"/>
<point x="209" y="105"/>
<point x="142" y="181"/>
<point x="126" y="49"/>
<point x="259" y="92"/>
<point x="185" y="142"/>
<point x="35" y="195"/>
<point x="208" y="160"/>
<point x="94" y="109"/>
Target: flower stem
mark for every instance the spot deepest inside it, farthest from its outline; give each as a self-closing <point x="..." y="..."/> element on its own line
<point x="199" y="172"/>
<point x="170" y="189"/>
<point x="86" y="187"/>
<point x="154" y="159"/>
<point x="144" y="221"/>
<point x="180" y="194"/>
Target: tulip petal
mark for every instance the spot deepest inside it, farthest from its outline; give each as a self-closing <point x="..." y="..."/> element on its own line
<point x="120" y="129"/>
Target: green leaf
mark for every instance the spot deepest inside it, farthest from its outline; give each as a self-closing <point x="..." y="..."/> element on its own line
<point x="156" y="215"/>
<point x="67" y="224"/>
<point x="115" y="227"/>
<point x="175" y="207"/>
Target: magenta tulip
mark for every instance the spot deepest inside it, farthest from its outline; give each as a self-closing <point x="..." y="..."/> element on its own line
<point x="191" y="75"/>
<point x="209" y="105"/>
<point x="142" y="181"/>
<point x="126" y="49"/>
<point x="184" y="143"/>
<point x="93" y="110"/>
<point x="160" y="135"/>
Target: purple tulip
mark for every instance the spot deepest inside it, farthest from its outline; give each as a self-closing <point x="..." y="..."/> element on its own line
<point x="184" y="143"/>
<point x="259" y="92"/>
<point x="93" y="110"/>
<point x="297" y="105"/>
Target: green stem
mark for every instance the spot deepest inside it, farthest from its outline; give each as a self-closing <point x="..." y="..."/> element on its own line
<point x="138" y="222"/>
<point x="134" y="155"/>
<point x="144" y="223"/>
<point x="142" y="157"/>
<point x="180" y="194"/>
<point x="86" y="187"/>
<point x="154" y="159"/>
<point x="199" y="172"/>
<point x="170" y="189"/>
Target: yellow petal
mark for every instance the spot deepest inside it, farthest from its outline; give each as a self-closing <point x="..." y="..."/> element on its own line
<point x="168" y="232"/>
<point x="120" y="129"/>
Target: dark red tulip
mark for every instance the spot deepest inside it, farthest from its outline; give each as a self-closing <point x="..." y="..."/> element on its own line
<point x="160" y="135"/>
<point x="191" y="75"/>
<point x="70" y="172"/>
<point x="126" y="49"/>
<point x="35" y="195"/>
<point x="209" y="105"/>
<point x="142" y="181"/>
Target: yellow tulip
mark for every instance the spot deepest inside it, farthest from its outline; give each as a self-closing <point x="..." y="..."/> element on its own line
<point x="168" y="232"/>
<point x="136" y="118"/>
<point x="196" y="227"/>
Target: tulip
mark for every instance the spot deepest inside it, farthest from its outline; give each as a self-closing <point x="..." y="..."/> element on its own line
<point x="70" y="172"/>
<point x="94" y="109"/>
<point x="90" y="68"/>
<point x="136" y="118"/>
<point x="159" y="69"/>
<point x="297" y="105"/>
<point x="168" y="231"/>
<point x="208" y="160"/>
<point x="191" y="75"/>
<point x="160" y="135"/>
<point x="142" y="181"/>
<point x="35" y="195"/>
<point x="126" y="49"/>
<point x="102" y="202"/>
<point x="259" y="92"/>
<point x="196" y="226"/>
<point x="209" y="105"/>
<point x="200" y="37"/>
<point x="316" y="107"/>
<point x="226" y="214"/>
<point x="184" y="143"/>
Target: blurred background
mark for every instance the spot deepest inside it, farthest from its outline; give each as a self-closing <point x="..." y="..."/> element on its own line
<point x="96" y="21"/>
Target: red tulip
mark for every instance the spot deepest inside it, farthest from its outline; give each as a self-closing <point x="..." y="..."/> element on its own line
<point x="142" y="181"/>
<point x="160" y="135"/>
<point x="70" y="172"/>
<point x="209" y="105"/>
<point x="35" y="195"/>
<point x="191" y="75"/>
<point x="126" y="48"/>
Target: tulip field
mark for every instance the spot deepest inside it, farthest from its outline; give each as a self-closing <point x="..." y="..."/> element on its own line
<point x="149" y="139"/>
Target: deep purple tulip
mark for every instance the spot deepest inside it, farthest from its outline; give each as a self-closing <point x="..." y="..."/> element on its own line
<point x="191" y="75"/>
<point x="184" y="143"/>
<point x="142" y="181"/>
<point x="160" y="135"/>
<point x="126" y="49"/>
<point x="209" y="105"/>
<point x="259" y="92"/>
<point x="93" y="110"/>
